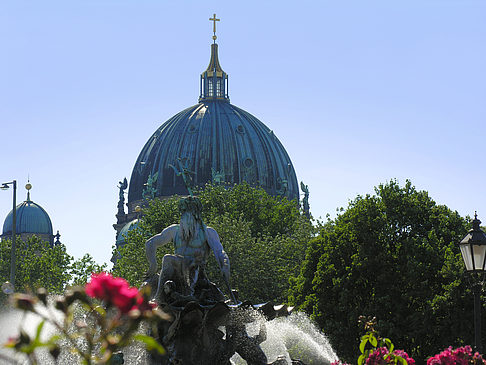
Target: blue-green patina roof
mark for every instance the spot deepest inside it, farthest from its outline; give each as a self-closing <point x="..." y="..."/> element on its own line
<point x="31" y="218"/>
<point x="216" y="137"/>
<point x="121" y="237"/>
<point x="222" y="143"/>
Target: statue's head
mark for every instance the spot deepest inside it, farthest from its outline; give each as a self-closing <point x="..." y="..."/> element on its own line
<point x="169" y="287"/>
<point x="191" y="218"/>
<point x="191" y="205"/>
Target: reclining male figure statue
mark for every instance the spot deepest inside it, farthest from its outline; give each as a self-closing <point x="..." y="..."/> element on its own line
<point x="193" y="242"/>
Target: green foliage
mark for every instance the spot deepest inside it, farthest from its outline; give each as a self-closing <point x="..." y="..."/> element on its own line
<point x="265" y="238"/>
<point x="267" y="215"/>
<point x="377" y="350"/>
<point x="37" y="264"/>
<point x="40" y="265"/>
<point x="81" y="269"/>
<point x="393" y="255"/>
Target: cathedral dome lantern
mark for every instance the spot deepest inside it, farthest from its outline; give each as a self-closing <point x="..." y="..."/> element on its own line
<point x="212" y="141"/>
<point x="214" y="81"/>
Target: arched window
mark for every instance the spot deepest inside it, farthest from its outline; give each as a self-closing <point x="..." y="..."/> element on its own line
<point x="218" y="88"/>
<point x="210" y="87"/>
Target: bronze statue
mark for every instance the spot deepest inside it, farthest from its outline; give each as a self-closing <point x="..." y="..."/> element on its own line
<point x="193" y="242"/>
<point x="121" y="193"/>
<point x="197" y="308"/>
<point x="217" y="177"/>
<point x="183" y="170"/>
<point x="150" y="187"/>
<point x="305" y="201"/>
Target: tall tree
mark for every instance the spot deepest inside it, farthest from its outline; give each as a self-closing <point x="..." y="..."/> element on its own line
<point x="37" y="264"/>
<point x="393" y="255"/>
<point x="80" y="270"/>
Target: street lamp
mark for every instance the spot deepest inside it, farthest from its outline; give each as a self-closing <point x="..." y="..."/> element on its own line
<point x="9" y="287"/>
<point x="473" y="250"/>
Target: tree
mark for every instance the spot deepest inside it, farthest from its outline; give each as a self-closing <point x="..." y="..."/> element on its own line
<point x="37" y="264"/>
<point x="393" y="255"/>
<point x="264" y="236"/>
<point x="81" y="269"/>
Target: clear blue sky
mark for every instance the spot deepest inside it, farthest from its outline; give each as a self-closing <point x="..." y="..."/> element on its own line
<point x="359" y="92"/>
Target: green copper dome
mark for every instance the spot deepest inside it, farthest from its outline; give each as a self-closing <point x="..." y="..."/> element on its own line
<point x="217" y="142"/>
<point x="31" y="219"/>
<point x="121" y="236"/>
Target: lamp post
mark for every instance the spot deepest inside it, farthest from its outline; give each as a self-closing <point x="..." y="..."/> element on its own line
<point x="10" y="287"/>
<point x="473" y="250"/>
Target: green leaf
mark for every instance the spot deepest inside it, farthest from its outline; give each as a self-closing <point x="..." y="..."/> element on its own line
<point x="361" y="359"/>
<point x="389" y="345"/>
<point x="362" y="345"/>
<point x="151" y="343"/>
<point x="373" y="341"/>
<point x="401" y="360"/>
<point x="39" y="330"/>
<point x="100" y="310"/>
<point x="53" y="339"/>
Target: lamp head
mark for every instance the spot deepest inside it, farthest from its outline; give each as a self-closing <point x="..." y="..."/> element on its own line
<point x="4" y="186"/>
<point x="473" y="248"/>
<point x="8" y="288"/>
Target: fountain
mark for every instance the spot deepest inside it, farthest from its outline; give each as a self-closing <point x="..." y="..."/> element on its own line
<point x="293" y="337"/>
<point x="200" y="327"/>
<point x="204" y="329"/>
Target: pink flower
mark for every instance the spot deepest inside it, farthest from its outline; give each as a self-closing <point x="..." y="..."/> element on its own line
<point x="379" y="357"/>
<point x="460" y="356"/>
<point x="114" y="291"/>
<point x="143" y="305"/>
<point x="403" y="354"/>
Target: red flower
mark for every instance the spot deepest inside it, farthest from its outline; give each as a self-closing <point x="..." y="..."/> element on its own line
<point x="143" y="304"/>
<point x="114" y="291"/>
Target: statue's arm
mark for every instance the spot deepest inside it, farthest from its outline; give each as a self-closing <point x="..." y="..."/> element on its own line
<point x="164" y="237"/>
<point x="221" y="256"/>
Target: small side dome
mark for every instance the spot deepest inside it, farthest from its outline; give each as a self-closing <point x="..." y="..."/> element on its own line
<point x="130" y="226"/>
<point x="31" y="218"/>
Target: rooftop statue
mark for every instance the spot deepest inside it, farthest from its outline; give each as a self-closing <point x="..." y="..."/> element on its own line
<point x="150" y="187"/>
<point x="305" y="201"/>
<point x="122" y="186"/>
<point x="182" y="169"/>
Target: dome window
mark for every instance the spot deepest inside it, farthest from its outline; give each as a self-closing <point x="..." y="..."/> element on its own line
<point x="248" y="162"/>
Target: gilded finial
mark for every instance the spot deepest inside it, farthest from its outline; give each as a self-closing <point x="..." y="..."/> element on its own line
<point x="214" y="20"/>
<point x="28" y="186"/>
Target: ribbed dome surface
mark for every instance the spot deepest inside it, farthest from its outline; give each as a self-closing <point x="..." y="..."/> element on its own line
<point x="31" y="218"/>
<point x="121" y="237"/>
<point x="222" y="143"/>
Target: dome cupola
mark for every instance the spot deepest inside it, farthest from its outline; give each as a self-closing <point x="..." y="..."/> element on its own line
<point x="214" y="81"/>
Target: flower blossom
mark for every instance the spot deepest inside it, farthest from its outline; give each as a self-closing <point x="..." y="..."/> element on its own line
<point x="116" y="292"/>
<point x="380" y="356"/>
<point x="460" y="356"/>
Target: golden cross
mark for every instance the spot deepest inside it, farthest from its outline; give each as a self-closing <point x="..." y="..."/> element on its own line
<point x="214" y="20"/>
